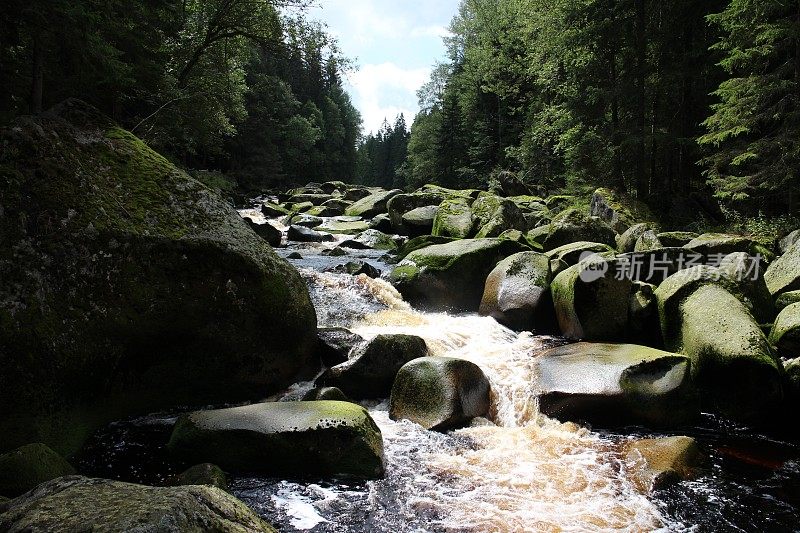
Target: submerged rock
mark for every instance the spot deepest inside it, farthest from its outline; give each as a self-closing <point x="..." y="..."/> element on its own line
<point x="372" y="366"/>
<point x="129" y="287"/>
<point x="29" y="466"/>
<point x="322" y="438"/>
<point x="654" y="464"/>
<point x="77" y="503"/>
<point x="203" y="474"/>
<point x="616" y="384"/>
<point x="355" y="268"/>
<point x="439" y="393"/>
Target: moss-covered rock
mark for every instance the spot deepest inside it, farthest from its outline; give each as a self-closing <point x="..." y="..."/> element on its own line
<point x="654" y="266"/>
<point x="574" y="252"/>
<point x="495" y="215"/>
<point x="344" y="227"/>
<point x="718" y="245"/>
<point x="306" y="220"/>
<point x="654" y="464"/>
<point x="672" y="239"/>
<point x="202" y="474"/>
<point x="292" y="438"/>
<point x="573" y="225"/>
<point x="732" y="361"/>
<point x="372" y="205"/>
<point x="325" y="393"/>
<point x="418" y="243"/>
<point x="783" y="274"/>
<point x="450" y="276"/>
<point x="785" y="334"/>
<point x="517" y="293"/>
<point x="439" y="393"/>
<point x="373" y="239"/>
<point x="627" y="241"/>
<point x="591" y="302"/>
<point x="128" y="286"/>
<point x="537" y="236"/>
<point x="559" y="202"/>
<point x="748" y="274"/>
<point x="28" y="467"/>
<point x="77" y="503"/>
<point x="786" y="299"/>
<point x="266" y="231"/>
<point x="455" y="219"/>
<point x="788" y="241"/>
<point x="647" y="241"/>
<point x="643" y="323"/>
<point x="618" y="210"/>
<point x="271" y="210"/>
<point x="615" y="384"/>
<point x="355" y="268"/>
<point x="370" y="370"/>
<point x="402" y="205"/>
<point x="419" y="221"/>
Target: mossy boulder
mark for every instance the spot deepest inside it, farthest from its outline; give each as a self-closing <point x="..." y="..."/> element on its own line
<point x="28" y="467"/>
<point x="266" y="231"/>
<point x="418" y="243"/>
<point x="77" y="503"/>
<point x="322" y="438"/>
<point x="370" y="370"/>
<point x="271" y="210"/>
<point x="654" y="464"/>
<point x="732" y="361"/>
<point x="718" y="245"/>
<point x="324" y="211"/>
<point x="202" y="474"/>
<point x="647" y="242"/>
<point x="785" y="334"/>
<point x="439" y="393"/>
<point x="495" y="215"/>
<point x="627" y="241"/>
<point x="618" y="210"/>
<point x="450" y="276"/>
<point x="788" y="241"/>
<point x="371" y="205"/>
<point x="656" y="265"/>
<point x="643" y="323"/>
<point x="591" y="302"/>
<point x="314" y="198"/>
<point x="783" y="274"/>
<point x="305" y="220"/>
<point x="375" y="240"/>
<point x="615" y="384"/>
<point x="343" y="227"/>
<point x="129" y="287"/>
<point x="455" y="219"/>
<point x="537" y="236"/>
<point x="419" y="222"/>
<point x="325" y="393"/>
<point x="572" y="253"/>
<point x="559" y="202"/>
<point x="573" y="225"/>
<point x="748" y="274"/>
<point x="676" y="238"/>
<point x="786" y="299"/>
<point x="517" y="293"/>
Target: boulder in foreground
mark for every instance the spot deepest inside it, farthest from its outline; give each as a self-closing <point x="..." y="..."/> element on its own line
<point x="323" y="438"/>
<point x="29" y="466"/>
<point x="656" y="463"/>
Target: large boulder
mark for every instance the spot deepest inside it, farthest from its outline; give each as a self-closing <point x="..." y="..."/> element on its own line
<point x="335" y="345"/>
<point x="375" y="240"/>
<point x="322" y="438"/>
<point x="615" y="384"/>
<point x="573" y="226"/>
<point x="785" y="334"/>
<point x="127" y="286"/>
<point x="266" y="231"/>
<point x="495" y="215"/>
<point x="450" y="276"/>
<point x="418" y="243"/>
<point x="786" y="299"/>
<point x="439" y="392"/>
<point x="271" y="210"/>
<point x="28" y="467"/>
<point x="454" y="218"/>
<point x="202" y="474"/>
<point x="419" y="221"/>
<point x="732" y="361"/>
<point x="788" y="241"/>
<point x="343" y="226"/>
<point x="618" y="210"/>
<point x="372" y="205"/>
<point x="715" y="246"/>
<point x="77" y="503"/>
<point x="401" y="205"/>
<point x="654" y="464"/>
<point x="627" y="241"/>
<point x="517" y="293"/>
<point x="591" y="300"/>
<point x="572" y="253"/>
<point x="783" y="274"/>
<point x="747" y="272"/>
<point x="370" y="370"/>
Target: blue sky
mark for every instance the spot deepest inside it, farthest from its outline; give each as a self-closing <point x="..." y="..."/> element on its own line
<point x="394" y="44"/>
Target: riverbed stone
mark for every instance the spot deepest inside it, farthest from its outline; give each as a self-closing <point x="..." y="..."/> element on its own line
<point x="573" y="225"/>
<point x="202" y="474"/>
<point x="272" y="210"/>
<point x="413" y="213"/>
<point x="266" y="231"/>
<point x="495" y="215"/>
<point x="335" y="344"/>
<point x="783" y="274"/>
<point x="418" y="243"/>
<point x="372" y="205"/>
<point x="439" y="393"/>
<point x="655" y="464"/>
<point x="419" y="221"/>
<point x="450" y="276"/>
<point x="138" y="289"/>
<point x="785" y="334"/>
<point x="303" y="234"/>
<point x="615" y="384"/>
<point x="324" y="438"/>
<point x="325" y="393"/>
<point x="343" y="227"/>
<point x="376" y="240"/>
<point x="76" y="503"/>
<point x="517" y="293"/>
<point x="371" y="367"/>
<point x="29" y="466"/>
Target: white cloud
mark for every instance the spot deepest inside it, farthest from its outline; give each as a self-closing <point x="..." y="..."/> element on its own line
<point x="375" y="86"/>
<point x="430" y="31"/>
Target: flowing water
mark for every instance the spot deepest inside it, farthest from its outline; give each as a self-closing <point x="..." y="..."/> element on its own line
<point x="515" y="470"/>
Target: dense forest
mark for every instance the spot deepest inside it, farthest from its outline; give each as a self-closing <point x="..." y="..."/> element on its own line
<point x="248" y="88"/>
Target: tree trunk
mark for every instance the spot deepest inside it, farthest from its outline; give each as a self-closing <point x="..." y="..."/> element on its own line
<point x="642" y="185"/>
<point x="37" y="73"/>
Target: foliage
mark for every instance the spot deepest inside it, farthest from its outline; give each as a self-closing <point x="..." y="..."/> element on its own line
<point x="381" y="155"/>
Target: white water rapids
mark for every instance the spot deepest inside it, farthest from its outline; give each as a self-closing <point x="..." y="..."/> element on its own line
<point x="516" y="471"/>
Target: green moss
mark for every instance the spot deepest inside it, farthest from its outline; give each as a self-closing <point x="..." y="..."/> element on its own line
<point x="29" y="466"/>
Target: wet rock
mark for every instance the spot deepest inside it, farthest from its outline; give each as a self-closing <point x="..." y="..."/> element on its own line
<point x="495" y="215"/>
<point x="270" y="210"/>
<point x="654" y="464"/>
<point x="450" y="276"/>
<point x="785" y="334"/>
<point x="300" y="207"/>
<point x="627" y="241"/>
<point x="616" y="384"/>
<point x="439" y="393"/>
<point x="335" y="252"/>
<point x="77" y="503"/>
<point x="732" y="362"/>
<point x="266" y="231"/>
<point x="372" y="366"/>
<point x="354" y="268"/>
<point x="294" y="255"/>
<point x="302" y="234"/>
<point x="676" y="238"/>
<point x="591" y="301"/>
<point x="783" y="274"/>
<point x="336" y="344"/>
<point x="203" y="474"/>
<point x="573" y="226"/>
<point x="335" y="207"/>
<point x="382" y="224"/>
<point x="314" y="198"/>
<point x="322" y="438"/>
<point x="455" y="219"/>
<point x="29" y="466"/>
<point x="153" y="292"/>
<point x="572" y="253"/>
<point x="325" y="393"/>
<point x="344" y="227"/>
<point x="306" y="220"/>
<point x="517" y="293"/>
<point x="371" y="205"/>
<point x="374" y="239"/>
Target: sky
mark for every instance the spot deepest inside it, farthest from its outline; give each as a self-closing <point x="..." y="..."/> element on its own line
<point x="394" y="44"/>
